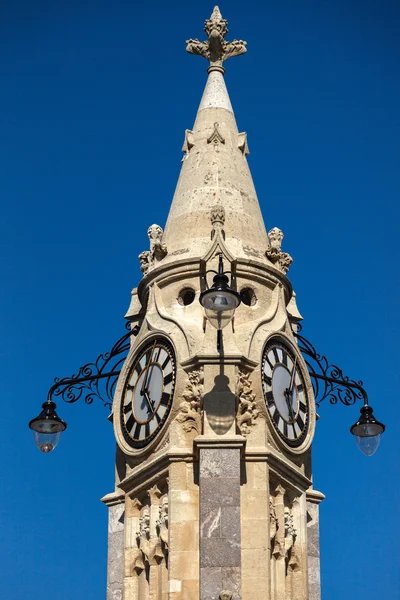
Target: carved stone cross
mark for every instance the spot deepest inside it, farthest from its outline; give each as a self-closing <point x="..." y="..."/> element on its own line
<point x="216" y="49"/>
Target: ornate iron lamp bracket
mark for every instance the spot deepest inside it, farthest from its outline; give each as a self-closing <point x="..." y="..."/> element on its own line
<point x="95" y="379"/>
<point x="328" y="380"/>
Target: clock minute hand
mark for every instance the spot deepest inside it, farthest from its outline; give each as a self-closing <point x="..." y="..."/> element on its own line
<point x="144" y="384"/>
<point x="292" y="376"/>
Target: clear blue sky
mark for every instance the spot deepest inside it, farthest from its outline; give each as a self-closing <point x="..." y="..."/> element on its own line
<point x="94" y="103"/>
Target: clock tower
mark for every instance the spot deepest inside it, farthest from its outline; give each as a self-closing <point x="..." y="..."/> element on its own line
<point x="213" y="495"/>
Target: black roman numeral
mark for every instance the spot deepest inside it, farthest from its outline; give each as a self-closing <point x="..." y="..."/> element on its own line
<point x="275" y="351"/>
<point x="136" y="434"/>
<point x="276" y="417"/>
<point x="300" y="422"/>
<point x="127" y="407"/>
<point x="285" y="431"/>
<point x="299" y="387"/>
<point x="157" y="417"/>
<point x="166" y="361"/>
<point x="303" y="407"/>
<point x="168" y="378"/>
<point x="284" y="358"/>
<point x="129" y="423"/>
<point x="270" y="399"/>
<point x="267" y="379"/>
<point x="147" y="429"/>
<point x="165" y="399"/>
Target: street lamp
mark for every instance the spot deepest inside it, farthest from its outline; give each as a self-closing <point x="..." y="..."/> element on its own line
<point x="367" y="431"/>
<point x="47" y="427"/>
<point x="219" y="301"/>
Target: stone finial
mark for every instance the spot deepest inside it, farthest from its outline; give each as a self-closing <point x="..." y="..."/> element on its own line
<point x="282" y="260"/>
<point x="217" y="217"/>
<point x="216" y="49"/>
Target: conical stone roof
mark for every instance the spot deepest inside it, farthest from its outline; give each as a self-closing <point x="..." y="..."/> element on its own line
<point x="215" y="175"/>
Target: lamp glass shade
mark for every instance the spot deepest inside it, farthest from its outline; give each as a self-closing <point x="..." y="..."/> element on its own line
<point x="220" y="306"/>
<point x="46" y="442"/>
<point x="368" y="445"/>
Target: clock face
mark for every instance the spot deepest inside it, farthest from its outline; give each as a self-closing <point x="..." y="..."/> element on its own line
<point x="148" y="393"/>
<point x="285" y="392"/>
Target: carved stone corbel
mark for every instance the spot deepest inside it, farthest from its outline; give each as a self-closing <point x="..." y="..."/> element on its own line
<point x="247" y="410"/>
<point x="189" y="415"/>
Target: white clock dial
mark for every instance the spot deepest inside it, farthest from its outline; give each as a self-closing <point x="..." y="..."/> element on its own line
<point x="148" y="393"/>
<point x="285" y="392"/>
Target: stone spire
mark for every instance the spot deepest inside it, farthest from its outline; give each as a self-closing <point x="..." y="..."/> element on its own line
<point x="215" y="172"/>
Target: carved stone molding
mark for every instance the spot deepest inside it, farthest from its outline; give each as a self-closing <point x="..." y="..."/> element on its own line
<point x="158" y="250"/>
<point x="154" y="494"/>
<point x="242" y="143"/>
<point x="216" y="137"/>
<point x="215" y="49"/>
<point x="247" y="410"/>
<point x="189" y="415"/>
<point x="282" y="260"/>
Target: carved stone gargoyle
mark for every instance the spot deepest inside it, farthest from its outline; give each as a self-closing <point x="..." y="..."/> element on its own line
<point x="158" y="250"/>
<point x="280" y="259"/>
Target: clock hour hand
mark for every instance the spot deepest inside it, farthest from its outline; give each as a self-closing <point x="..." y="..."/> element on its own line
<point x="148" y="401"/>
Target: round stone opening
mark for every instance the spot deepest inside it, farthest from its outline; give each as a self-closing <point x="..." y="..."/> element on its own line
<point x="186" y="296"/>
<point x="248" y="296"/>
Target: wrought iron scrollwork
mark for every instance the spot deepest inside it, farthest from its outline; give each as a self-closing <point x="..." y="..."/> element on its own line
<point x="95" y="379"/>
<point x="328" y="380"/>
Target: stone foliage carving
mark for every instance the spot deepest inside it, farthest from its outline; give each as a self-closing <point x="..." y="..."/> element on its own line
<point x="247" y="409"/>
<point x="273" y="521"/>
<point x="141" y="554"/>
<point x="215" y="49"/>
<point x="290" y="538"/>
<point x="162" y="523"/>
<point x="282" y="260"/>
<point x="190" y="409"/>
<point x="158" y="250"/>
<point x="152" y="546"/>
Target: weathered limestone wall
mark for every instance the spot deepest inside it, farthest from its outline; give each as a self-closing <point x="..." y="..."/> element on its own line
<point x="314" y="579"/>
<point x="254" y="494"/>
<point x="183" y="559"/>
<point x="115" y="571"/>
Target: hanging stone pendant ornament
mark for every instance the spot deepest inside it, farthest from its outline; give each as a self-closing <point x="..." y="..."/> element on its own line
<point x="216" y="49"/>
